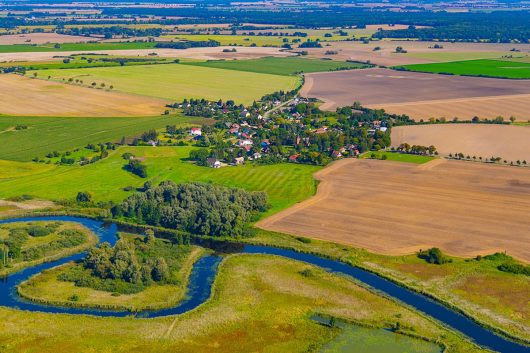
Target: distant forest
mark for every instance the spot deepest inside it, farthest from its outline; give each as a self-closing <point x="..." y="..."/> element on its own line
<point x="495" y="26"/>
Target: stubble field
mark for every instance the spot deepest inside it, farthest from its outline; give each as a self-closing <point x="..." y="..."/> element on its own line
<point x="25" y="96"/>
<point x="396" y="208"/>
<point x="478" y="140"/>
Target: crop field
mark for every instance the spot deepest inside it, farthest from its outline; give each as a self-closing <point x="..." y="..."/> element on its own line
<point x="383" y="52"/>
<point x="209" y="53"/>
<point x="421" y="95"/>
<point x="268" y="289"/>
<point x="176" y="82"/>
<point x="40" y="38"/>
<point x="397" y="208"/>
<point x="26" y="96"/>
<point x="285" y="183"/>
<point x="280" y="66"/>
<point x="478" y="140"/>
<point x="15" y="48"/>
<point x="48" y="134"/>
<point x="490" y="68"/>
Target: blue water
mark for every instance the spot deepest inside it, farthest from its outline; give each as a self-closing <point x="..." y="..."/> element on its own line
<point x="205" y="270"/>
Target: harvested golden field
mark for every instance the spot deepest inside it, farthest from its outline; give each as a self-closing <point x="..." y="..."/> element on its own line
<point x="34" y="97"/>
<point x="396" y="208"/>
<point x="424" y="95"/>
<point x="480" y="140"/>
<point x="210" y="53"/>
<point x="41" y="38"/>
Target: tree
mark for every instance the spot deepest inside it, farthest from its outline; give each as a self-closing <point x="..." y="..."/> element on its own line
<point x="83" y="197"/>
<point x="160" y="270"/>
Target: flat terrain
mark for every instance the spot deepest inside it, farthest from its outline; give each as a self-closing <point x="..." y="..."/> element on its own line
<point x="397" y="208"/>
<point x="397" y="91"/>
<point x="25" y="96"/>
<point x="211" y="53"/>
<point x="417" y="52"/>
<point x="176" y="82"/>
<point x="280" y="66"/>
<point x="41" y="38"/>
<point x="285" y="184"/>
<point x="260" y="303"/>
<point x="490" y="68"/>
<point x="48" y="134"/>
<point x="481" y="140"/>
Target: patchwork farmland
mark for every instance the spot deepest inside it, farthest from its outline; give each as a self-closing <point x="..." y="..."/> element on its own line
<point x="398" y="208"/>
<point x="421" y="95"/>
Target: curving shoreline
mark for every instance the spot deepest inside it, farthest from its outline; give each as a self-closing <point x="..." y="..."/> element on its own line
<point x="205" y="270"/>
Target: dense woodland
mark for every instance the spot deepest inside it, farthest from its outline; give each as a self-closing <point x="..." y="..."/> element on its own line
<point x="195" y="207"/>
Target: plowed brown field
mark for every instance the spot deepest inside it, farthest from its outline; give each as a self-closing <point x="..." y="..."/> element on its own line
<point x="421" y="95"/>
<point x="397" y="208"/>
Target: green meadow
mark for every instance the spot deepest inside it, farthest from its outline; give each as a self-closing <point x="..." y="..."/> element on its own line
<point x="177" y="82"/>
<point x="482" y="67"/>
<point x="398" y="157"/>
<point x="48" y="134"/>
<point x="285" y="183"/>
<point x="279" y="66"/>
<point x="15" y="48"/>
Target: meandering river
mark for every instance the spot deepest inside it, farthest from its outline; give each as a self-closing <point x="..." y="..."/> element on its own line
<point x="205" y="270"/>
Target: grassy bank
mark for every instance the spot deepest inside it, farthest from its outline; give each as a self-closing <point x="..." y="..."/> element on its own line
<point x="35" y="242"/>
<point x="259" y="303"/>
<point x="46" y="288"/>
<point x="398" y="157"/>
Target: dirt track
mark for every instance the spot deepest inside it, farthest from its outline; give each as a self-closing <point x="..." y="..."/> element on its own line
<point x="397" y="208"/>
<point x="34" y="97"/>
<point x="478" y="140"/>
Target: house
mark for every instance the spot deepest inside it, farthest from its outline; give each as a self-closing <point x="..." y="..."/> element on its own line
<point x="336" y="154"/>
<point x="321" y="130"/>
<point x="213" y="162"/>
<point x="239" y="160"/>
<point x="196" y="131"/>
<point x="294" y="157"/>
<point x="152" y="143"/>
<point x="243" y="143"/>
<point x="256" y="155"/>
<point x="383" y="128"/>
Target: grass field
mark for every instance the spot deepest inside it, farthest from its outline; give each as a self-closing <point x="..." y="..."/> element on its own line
<point x="48" y="134"/>
<point x="75" y="47"/>
<point x="280" y="66"/>
<point x="260" y="303"/>
<point x="399" y="157"/>
<point x="285" y="184"/>
<point x="490" y="68"/>
<point x="477" y="287"/>
<point x="176" y="82"/>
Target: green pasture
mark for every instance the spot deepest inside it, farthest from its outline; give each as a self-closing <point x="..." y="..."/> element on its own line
<point x="15" y="48"/>
<point x="398" y="157"/>
<point x="285" y="183"/>
<point x="279" y="66"/>
<point x="84" y="61"/>
<point x="482" y="67"/>
<point x="176" y="82"/>
<point x="48" y="134"/>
